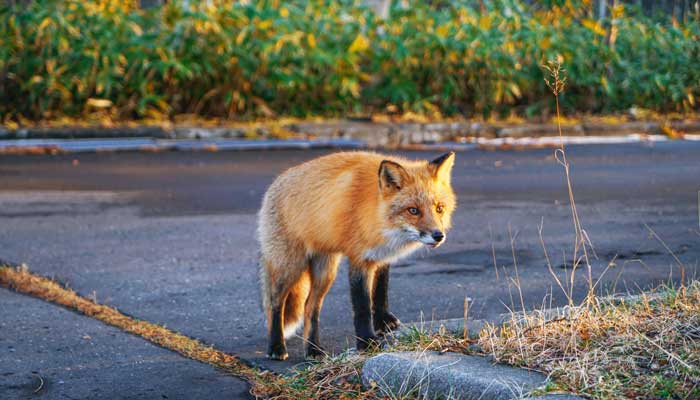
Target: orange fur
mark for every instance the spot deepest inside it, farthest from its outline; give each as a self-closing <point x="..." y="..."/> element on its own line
<point x="337" y="205"/>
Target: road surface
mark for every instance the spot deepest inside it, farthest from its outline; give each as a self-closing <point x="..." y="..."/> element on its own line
<point x="170" y="238"/>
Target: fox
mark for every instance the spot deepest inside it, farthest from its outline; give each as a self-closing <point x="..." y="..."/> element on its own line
<point x="372" y="209"/>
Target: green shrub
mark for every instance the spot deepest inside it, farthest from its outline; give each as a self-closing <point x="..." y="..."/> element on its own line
<point x="242" y="61"/>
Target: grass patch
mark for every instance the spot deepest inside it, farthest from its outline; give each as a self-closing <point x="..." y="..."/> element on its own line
<point x="645" y="348"/>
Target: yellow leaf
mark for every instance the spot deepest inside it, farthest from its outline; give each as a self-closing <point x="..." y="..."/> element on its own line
<point x="311" y="40"/>
<point x="594" y="26"/>
<point x="484" y="22"/>
<point x="618" y="11"/>
<point x="136" y="28"/>
<point x="99" y="103"/>
<point x="50" y="65"/>
<point x="44" y="23"/>
<point x="241" y="37"/>
<point x="361" y="43"/>
<point x="284" y="12"/>
<point x="515" y="90"/>
<point x="262" y="25"/>
<point x="442" y="31"/>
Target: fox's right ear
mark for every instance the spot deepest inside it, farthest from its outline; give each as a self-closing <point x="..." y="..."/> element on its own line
<point x="391" y="175"/>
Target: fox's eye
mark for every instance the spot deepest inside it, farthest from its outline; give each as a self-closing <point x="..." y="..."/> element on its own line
<point x="413" y="211"/>
<point x="440" y="209"/>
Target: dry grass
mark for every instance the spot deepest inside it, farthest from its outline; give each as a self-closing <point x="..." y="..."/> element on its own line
<point x="648" y="348"/>
<point x="642" y="347"/>
<point x="337" y="377"/>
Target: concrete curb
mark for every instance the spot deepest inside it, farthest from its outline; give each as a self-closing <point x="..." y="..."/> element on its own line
<point x="54" y="146"/>
<point x="449" y="375"/>
<point x="458" y="376"/>
<point x="374" y="134"/>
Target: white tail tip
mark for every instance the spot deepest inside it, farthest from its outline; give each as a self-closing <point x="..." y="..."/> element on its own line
<point x="291" y="330"/>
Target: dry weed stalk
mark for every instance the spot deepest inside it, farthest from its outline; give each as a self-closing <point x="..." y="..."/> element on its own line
<point x="556" y="81"/>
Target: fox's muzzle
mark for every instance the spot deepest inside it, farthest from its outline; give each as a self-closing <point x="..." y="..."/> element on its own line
<point x="432" y="239"/>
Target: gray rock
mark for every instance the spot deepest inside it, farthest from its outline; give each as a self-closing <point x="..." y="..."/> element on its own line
<point x="449" y="375"/>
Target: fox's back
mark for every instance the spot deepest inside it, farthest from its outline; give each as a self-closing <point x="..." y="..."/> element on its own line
<point x="316" y="202"/>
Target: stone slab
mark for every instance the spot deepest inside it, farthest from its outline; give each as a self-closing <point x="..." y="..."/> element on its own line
<point x="448" y="375"/>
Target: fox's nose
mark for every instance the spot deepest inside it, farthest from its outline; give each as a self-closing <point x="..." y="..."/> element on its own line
<point x="438" y="236"/>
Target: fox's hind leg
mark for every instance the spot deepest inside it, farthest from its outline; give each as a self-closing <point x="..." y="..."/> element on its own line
<point x="284" y="276"/>
<point x="384" y="320"/>
<point x="323" y="271"/>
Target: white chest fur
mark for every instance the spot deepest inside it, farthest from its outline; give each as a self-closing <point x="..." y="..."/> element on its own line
<point x="399" y="243"/>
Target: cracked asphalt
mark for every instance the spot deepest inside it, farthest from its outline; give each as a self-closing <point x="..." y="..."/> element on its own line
<point x="170" y="238"/>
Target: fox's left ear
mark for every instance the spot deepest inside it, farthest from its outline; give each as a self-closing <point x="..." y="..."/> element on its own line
<point x="442" y="166"/>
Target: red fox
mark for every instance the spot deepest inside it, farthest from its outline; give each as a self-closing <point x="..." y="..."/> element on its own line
<point x="371" y="208"/>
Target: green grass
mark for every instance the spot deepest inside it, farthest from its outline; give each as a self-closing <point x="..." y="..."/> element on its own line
<point x="105" y="58"/>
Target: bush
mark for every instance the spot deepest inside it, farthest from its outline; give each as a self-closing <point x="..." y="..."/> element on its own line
<point x="243" y="61"/>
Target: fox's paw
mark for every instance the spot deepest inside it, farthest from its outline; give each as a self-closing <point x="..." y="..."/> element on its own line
<point x="385" y="323"/>
<point x="368" y="343"/>
<point x="277" y="352"/>
<point x="315" y="352"/>
<point x="278" y="356"/>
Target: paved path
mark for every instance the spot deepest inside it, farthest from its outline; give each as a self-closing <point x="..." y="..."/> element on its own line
<point x="52" y="353"/>
<point x="170" y="238"/>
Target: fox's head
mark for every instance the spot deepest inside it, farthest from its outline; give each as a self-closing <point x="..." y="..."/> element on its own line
<point x="419" y="199"/>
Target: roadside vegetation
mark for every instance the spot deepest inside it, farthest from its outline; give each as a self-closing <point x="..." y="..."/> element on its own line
<point x="642" y="347"/>
<point x="233" y="60"/>
<point x="645" y="346"/>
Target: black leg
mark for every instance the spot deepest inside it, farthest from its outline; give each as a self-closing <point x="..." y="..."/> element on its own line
<point x="362" y="307"/>
<point x="277" y="349"/>
<point x="313" y="346"/>
<point x="383" y="319"/>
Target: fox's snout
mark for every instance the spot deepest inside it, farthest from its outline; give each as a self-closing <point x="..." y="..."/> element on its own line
<point x="432" y="238"/>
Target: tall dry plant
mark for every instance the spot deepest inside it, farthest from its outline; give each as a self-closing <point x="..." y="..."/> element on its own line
<point x="556" y="81"/>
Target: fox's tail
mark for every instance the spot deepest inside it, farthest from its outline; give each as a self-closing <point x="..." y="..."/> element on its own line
<point x="293" y="307"/>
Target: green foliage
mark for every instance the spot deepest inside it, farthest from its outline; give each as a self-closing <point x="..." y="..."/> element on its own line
<point x="242" y="61"/>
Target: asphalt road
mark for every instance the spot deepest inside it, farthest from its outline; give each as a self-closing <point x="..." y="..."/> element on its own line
<point x="170" y="238"/>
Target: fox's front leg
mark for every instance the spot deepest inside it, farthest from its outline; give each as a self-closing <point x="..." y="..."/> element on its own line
<point x="384" y="320"/>
<point x="360" y="294"/>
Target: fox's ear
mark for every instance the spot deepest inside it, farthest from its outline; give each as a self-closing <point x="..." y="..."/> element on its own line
<point x="392" y="176"/>
<point x="442" y="166"/>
